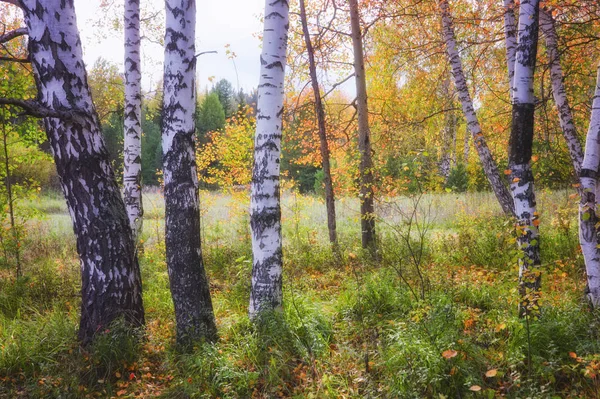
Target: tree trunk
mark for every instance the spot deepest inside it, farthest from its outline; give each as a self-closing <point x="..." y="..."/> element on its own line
<point x="324" y="146"/>
<point x="448" y="145"/>
<point x="510" y="37"/>
<point x="189" y="286"/>
<point x="367" y="207"/>
<point x="558" y="91"/>
<point x="265" y="208"/>
<point x="520" y="149"/>
<point x="111" y="283"/>
<point x="588" y="217"/>
<point x="485" y="156"/>
<point x="132" y="154"/>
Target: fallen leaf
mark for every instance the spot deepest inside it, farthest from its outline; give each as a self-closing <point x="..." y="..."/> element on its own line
<point x="491" y="373"/>
<point x="449" y="354"/>
<point x="475" y="388"/>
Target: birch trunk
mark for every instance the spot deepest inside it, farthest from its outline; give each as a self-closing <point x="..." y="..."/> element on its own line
<point x="520" y="149"/>
<point x="588" y="217"/>
<point x="265" y="208"/>
<point x="367" y="207"/>
<point x="132" y="154"/>
<point x="324" y="146"/>
<point x="111" y="283"/>
<point x="510" y="37"/>
<point x="485" y="156"/>
<point x="189" y="286"/>
<point x="558" y="91"/>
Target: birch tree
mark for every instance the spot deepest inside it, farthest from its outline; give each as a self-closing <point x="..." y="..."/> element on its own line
<point x="111" y="283"/>
<point x="367" y="206"/>
<point x="265" y="208"/>
<point x="520" y="150"/>
<point x="189" y="286"/>
<point x="588" y="216"/>
<point x="510" y="37"/>
<point x="565" y="115"/>
<point x="485" y="156"/>
<point x="132" y="154"/>
<point x="320" y="112"/>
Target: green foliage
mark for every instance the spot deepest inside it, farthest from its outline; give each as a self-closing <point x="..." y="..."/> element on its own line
<point x="226" y="96"/>
<point x="210" y="116"/>
<point x="458" y="179"/>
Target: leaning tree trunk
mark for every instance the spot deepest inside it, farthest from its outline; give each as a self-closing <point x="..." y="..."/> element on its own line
<point x="519" y="157"/>
<point x="132" y="154"/>
<point x="367" y="207"/>
<point x="558" y="91"/>
<point x="189" y="286"/>
<point x="485" y="156"/>
<point x="265" y="208"/>
<point x="324" y="146"/>
<point x="111" y="283"/>
<point x="588" y="217"/>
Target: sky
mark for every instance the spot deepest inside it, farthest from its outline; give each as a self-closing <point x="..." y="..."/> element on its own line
<point x="219" y="23"/>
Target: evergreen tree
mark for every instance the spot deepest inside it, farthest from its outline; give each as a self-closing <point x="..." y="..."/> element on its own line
<point x="211" y="116"/>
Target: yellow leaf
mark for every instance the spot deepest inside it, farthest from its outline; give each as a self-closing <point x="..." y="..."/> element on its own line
<point x="491" y="373"/>
<point x="475" y="388"/>
<point x="121" y="392"/>
<point x="449" y="354"/>
<point x="118" y="375"/>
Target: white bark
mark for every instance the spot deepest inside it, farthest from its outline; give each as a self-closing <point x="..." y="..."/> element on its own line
<point x="558" y="91"/>
<point x="521" y="145"/>
<point x="460" y="83"/>
<point x="510" y="37"/>
<point x="111" y="283"/>
<point x="189" y="286"/>
<point x="588" y="217"/>
<point x="265" y="211"/>
<point x="132" y="154"/>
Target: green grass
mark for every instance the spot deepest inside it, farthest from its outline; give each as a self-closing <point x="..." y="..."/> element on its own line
<point x="430" y="318"/>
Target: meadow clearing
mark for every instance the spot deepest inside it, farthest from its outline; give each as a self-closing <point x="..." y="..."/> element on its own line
<point x="434" y="315"/>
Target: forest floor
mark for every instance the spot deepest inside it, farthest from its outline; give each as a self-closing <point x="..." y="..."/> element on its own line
<point x="435" y="315"/>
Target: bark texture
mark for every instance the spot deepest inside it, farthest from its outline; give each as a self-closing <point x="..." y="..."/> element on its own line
<point x="189" y="285"/>
<point x="588" y="217"/>
<point x="510" y="37"/>
<point x="520" y="149"/>
<point x="485" y="156"/>
<point x="111" y="283"/>
<point x="559" y="93"/>
<point x="448" y="142"/>
<point x="265" y="208"/>
<point x="320" y="112"/>
<point x="367" y="206"/>
<point x="132" y="154"/>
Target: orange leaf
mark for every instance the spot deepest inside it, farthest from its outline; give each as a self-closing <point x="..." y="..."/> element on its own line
<point x="475" y="388"/>
<point x="491" y="373"/>
<point x="449" y="354"/>
<point x="536" y="222"/>
<point x="507" y="172"/>
<point x="573" y="355"/>
<point x="121" y="392"/>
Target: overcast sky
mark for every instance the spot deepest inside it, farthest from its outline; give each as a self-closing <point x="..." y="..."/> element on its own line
<point x="233" y="22"/>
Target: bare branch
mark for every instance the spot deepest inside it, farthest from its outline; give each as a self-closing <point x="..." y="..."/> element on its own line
<point x="12" y="34"/>
<point x="338" y="84"/>
<point x="205" y="52"/>
<point x="34" y="108"/>
<point x="12" y="59"/>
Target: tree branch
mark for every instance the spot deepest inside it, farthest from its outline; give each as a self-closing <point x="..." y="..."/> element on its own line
<point x="12" y="59"/>
<point x="12" y="34"/>
<point x="34" y="108"/>
<point x="338" y="84"/>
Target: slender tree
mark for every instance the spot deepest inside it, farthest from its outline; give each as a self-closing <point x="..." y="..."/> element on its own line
<point x="189" y="286"/>
<point x="588" y="216"/>
<point x="111" y="283"/>
<point x="132" y="154"/>
<point x="367" y="205"/>
<point x="510" y="37"/>
<point x="485" y="156"/>
<point x="520" y="150"/>
<point x="265" y="208"/>
<point x="320" y="112"/>
<point x="565" y="115"/>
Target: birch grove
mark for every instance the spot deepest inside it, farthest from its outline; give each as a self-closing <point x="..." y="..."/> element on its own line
<point x="265" y="208"/>
<point x="132" y="154"/>
<point x="189" y="285"/>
